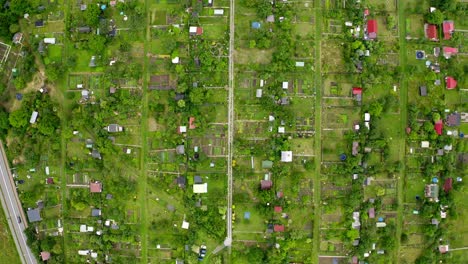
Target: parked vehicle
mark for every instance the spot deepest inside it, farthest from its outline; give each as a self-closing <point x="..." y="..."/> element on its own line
<point x="202" y="253"/>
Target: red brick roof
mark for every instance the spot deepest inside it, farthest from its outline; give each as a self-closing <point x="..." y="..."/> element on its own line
<point x="371" y="212"/>
<point x="278" y="228"/>
<point x="431" y="32"/>
<point x="448" y="28"/>
<point x="357" y="90"/>
<point x="448" y="51"/>
<point x="448" y="185"/>
<point x="95" y="187"/>
<point x="450" y="82"/>
<point x="265" y="184"/>
<point x="438" y="126"/>
<point x="199" y="30"/>
<point x="278" y="209"/>
<point x="372" y="28"/>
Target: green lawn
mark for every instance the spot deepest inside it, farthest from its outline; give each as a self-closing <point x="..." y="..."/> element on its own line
<point x="8" y="253"/>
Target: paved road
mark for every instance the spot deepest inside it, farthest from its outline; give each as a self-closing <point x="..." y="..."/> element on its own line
<point x="12" y="207"/>
<point x="228" y="240"/>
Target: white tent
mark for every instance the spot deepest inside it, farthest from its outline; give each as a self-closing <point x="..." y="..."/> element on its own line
<point x="286" y="156"/>
<point x="200" y="188"/>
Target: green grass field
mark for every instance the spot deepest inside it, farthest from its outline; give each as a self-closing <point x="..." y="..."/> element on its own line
<point x="8" y="253"/>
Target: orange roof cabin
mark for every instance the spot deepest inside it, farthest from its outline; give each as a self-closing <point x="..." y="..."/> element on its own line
<point x="448" y="27"/>
<point x="449" y="51"/>
<point x="95" y="187"/>
<point x="372" y="29"/>
<point x="278" y="228"/>
<point x="431" y="32"/>
<point x="438" y="126"/>
<point x="192" y="123"/>
<point x="450" y="82"/>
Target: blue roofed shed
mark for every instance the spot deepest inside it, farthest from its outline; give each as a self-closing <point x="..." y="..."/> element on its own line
<point x="247" y="215"/>
<point x="256" y="25"/>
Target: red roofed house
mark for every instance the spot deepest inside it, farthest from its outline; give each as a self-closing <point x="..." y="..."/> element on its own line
<point x="50" y="180"/>
<point x="191" y="123"/>
<point x="45" y="255"/>
<point x="266" y="184"/>
<point x="448" y="185"/>
<point x="278" y="209"/>
<point x="195" y="30"/>
<point x="357" y="92"/>
<point x="449" y="51"/>
<point x="450" y="82"/>
<point x="438" y="127"/>
<point x="372" y="29"/>
<point x="95" y="187"/>
<point x="448" y="28"/>
<point x="431" y="32"/>
<point x="199" y="30"/>
<point x="443" y="249"/>
<point x="366" y="12"/>
<point x="278" y="228"/>
<point x="371" y="212"/>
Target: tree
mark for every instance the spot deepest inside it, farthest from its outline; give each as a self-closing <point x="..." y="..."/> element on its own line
<point x="20" y="7"/>
<point x="436" y="17"/>
<point x="445" y="5"/>
<point x="181" y="103"/>
<point x="391" y="22"/>
<point x="18" y="118"/>
<point x="2" y="87"/>
<point x="124" y="46"/>
<point x="4" y="124"/>
<point x="197" y="96"/>
<point x="352" y="234"/>
<point x="458" y="38"/>
<point x="53" y="71"/>
<point x="97" y="44"/>
<point x="14" y="28"/>
<point x="91" y="15"/>
<point x="375" y="109"/>
<point x="19" y="82"/>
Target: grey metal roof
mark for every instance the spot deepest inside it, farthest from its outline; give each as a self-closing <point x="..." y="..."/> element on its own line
<point x="96" y="212"/>
<point x="34" y="215"/>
